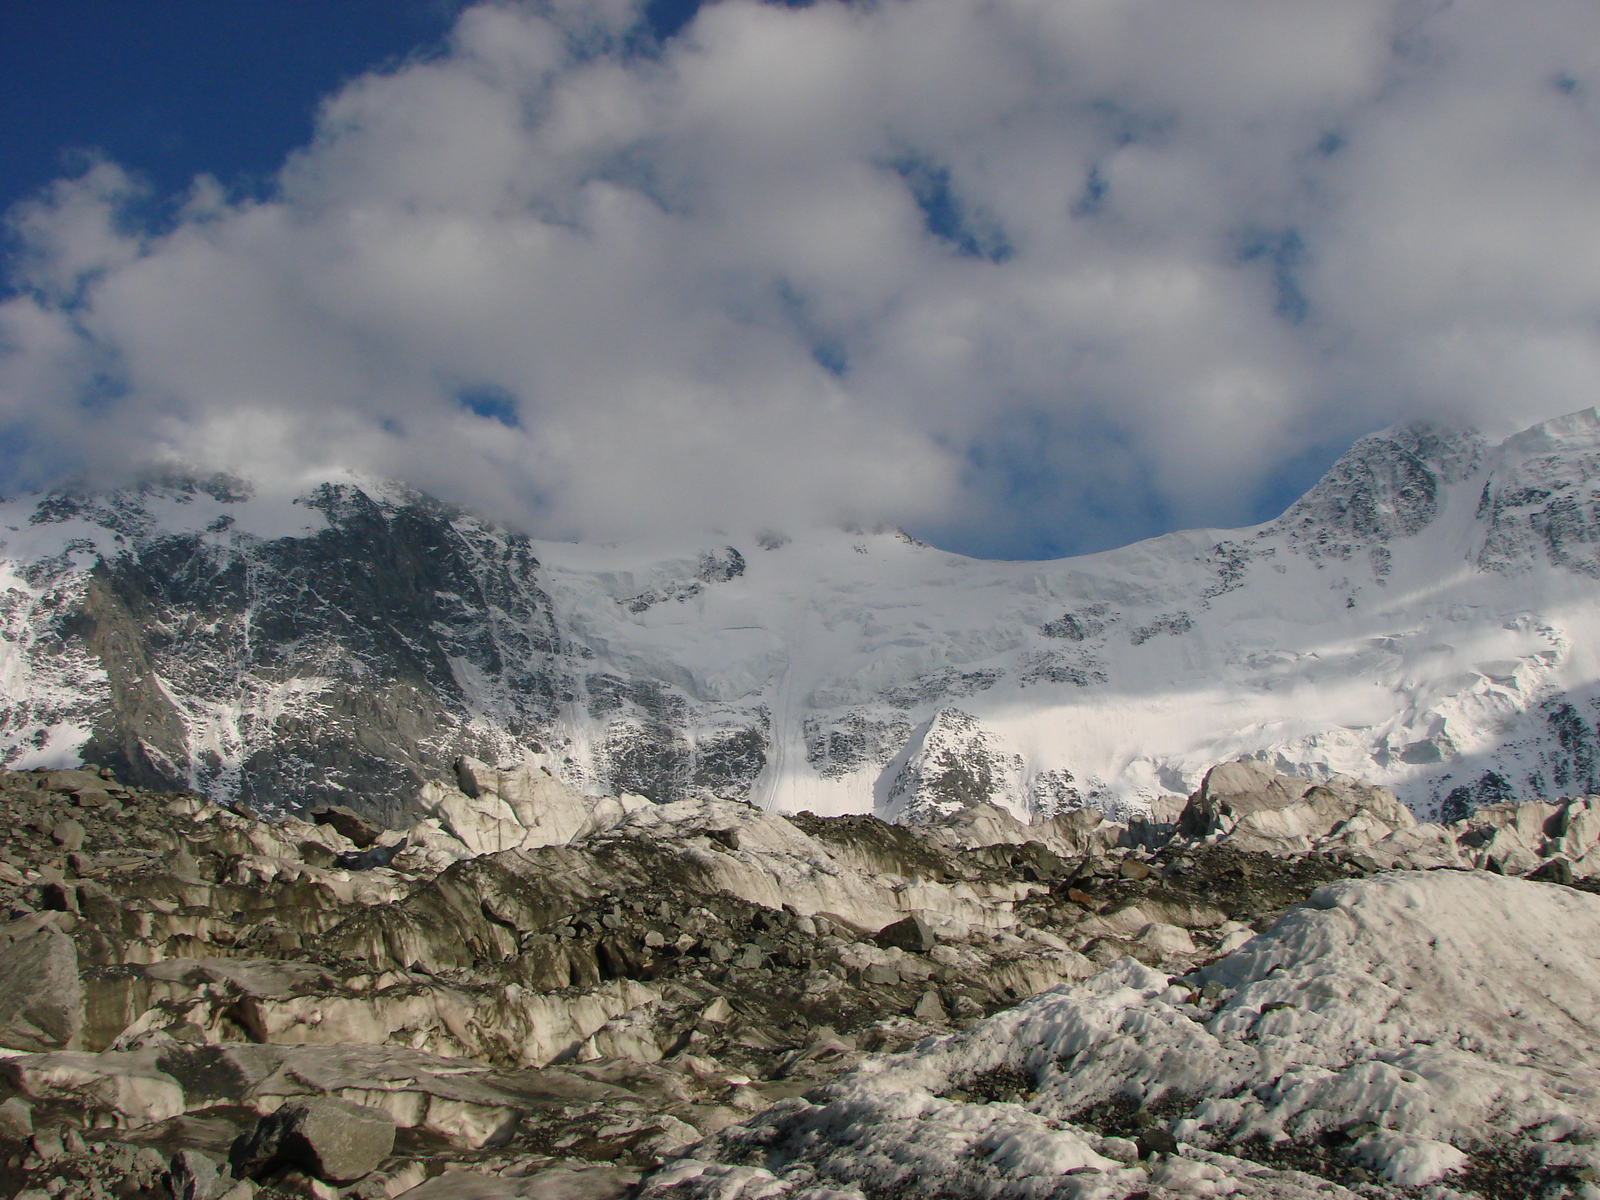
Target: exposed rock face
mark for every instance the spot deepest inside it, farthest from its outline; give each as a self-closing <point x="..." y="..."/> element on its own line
<point x="193" y="1176"/>
<point x="1385" y="487"/>
<point x="955" y="767"/>
<point x="1541" y="506"/>
<point x="295" y="660"/>
<point x="855" y="741"/>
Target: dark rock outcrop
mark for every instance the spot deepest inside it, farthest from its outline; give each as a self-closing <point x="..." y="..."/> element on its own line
<point x="330" y="1139"/>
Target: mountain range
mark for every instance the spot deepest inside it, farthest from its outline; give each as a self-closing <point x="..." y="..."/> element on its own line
<point x="1424" y="618"/>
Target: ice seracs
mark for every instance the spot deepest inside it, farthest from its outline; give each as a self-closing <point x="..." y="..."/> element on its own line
<point x="1397" y="1018"/>
<point x="537" y="974"/>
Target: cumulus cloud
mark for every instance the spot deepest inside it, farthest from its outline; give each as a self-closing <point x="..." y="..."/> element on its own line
<point x="1016" y="274"/>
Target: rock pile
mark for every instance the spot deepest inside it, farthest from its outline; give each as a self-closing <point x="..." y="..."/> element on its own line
<point x="529" y="984"/>
<point x="1250" y="807"/>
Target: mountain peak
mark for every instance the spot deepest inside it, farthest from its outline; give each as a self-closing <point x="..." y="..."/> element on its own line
<point x="1384" y="487"/>
<point x="1574" y="431"/>
<point x="1542" y="499"/>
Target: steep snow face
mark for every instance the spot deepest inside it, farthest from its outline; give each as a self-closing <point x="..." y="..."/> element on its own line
<point x="1409" y="1015"/>
<point x="1424" y="618"/>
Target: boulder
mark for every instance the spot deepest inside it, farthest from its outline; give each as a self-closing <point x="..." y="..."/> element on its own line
<point x="193" y="1176"/>
<point x="16" y="1119"/>
<point x="72" y="781"/>
<point x="1234" y="790"/>
<point x="913" y="934"/>
<point x="68" y="835"/>
<point x="41" y="998"/>
<point x="346" y="821"/>
<point x="334" y="1140"/>
<point x="1038" y="862"/>
<point x="1251" y="807"/>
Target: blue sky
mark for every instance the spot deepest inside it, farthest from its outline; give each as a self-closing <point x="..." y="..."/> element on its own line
<point x="174" y="88"/>
<point x="1027" y="281"/>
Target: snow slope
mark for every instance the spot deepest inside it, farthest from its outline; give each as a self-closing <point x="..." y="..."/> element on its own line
<point x="1424" y="618"/>
<point x="1408" y="1019"/>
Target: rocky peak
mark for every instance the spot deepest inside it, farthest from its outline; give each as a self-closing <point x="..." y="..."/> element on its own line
<point x="1541" y="501"/>
<point x="332" y="664"/>
<point x="1384" y="487"/>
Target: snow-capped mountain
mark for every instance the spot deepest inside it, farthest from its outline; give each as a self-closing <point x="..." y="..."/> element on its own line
<point x="1425" y="617"/>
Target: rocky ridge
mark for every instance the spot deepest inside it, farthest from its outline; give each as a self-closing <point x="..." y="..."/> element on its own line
<point x="539" y="992"/>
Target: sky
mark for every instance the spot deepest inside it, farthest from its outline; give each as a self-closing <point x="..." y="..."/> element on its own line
<point x="1024" y="277"/>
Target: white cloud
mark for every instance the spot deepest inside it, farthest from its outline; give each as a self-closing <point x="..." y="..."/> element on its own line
<point x="1012" y="270"/>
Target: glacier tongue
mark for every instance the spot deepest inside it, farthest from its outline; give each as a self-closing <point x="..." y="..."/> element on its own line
<point x="1424" y="618"/>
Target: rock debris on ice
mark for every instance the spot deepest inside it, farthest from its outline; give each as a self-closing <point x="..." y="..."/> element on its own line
<point x="1411" y="1017"/>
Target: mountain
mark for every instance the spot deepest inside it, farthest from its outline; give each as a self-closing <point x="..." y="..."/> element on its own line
<point x="1424" y="618"/>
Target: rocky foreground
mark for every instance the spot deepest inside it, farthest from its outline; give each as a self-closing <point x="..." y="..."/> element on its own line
<point x="1281" y="988"/>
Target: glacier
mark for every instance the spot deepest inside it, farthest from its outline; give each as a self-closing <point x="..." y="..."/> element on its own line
<point x="1386" y="1019"/>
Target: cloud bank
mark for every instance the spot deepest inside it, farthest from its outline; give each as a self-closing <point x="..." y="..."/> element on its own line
<point x="1021" y="275"/>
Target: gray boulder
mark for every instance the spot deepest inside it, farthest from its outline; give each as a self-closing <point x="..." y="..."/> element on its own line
<point x="348" y="822"/>
<point x="1232" y="791"/>
<point x="913" y="934"/>
<point x="41" y="997"/>
<point x="73" y="781"/>
<point x="16" y="1119"/>
<point x="68" y="835"/>
<point x="334" y="1140"/>
<point x="193" y="1176"/>
<point x="1251" y="807"/>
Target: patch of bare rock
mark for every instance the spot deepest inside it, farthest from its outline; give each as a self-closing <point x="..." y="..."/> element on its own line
<point x="533" y="993"/>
